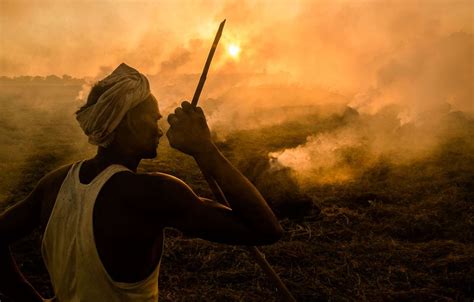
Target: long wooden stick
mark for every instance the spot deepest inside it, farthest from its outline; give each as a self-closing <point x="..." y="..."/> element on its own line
<point x="254" y="251"/>
<point x="219" y="195"/>
<point x="202" y="80"/>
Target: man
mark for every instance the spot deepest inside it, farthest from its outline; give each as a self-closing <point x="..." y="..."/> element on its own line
<point x="102" y="223"/>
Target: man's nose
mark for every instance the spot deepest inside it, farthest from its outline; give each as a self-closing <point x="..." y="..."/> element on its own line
<point x="160" y="132"/>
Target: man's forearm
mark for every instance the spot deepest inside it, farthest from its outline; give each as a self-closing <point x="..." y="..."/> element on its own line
<point x="12" y="282"/>
<point x="243" y="197"/>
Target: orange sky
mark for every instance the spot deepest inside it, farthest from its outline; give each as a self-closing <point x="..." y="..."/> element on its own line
<point x="397" y="62"/>
<point x="362" y="49"/>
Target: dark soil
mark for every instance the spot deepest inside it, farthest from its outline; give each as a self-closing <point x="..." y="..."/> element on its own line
<point x="396" y="232"/>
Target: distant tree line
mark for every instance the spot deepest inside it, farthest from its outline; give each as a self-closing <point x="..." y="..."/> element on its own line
<point x="40" y="80"/>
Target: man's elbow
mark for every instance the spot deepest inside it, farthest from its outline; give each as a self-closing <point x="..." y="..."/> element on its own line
<point x="276" y="234"/>
<point x="270" y="236"/>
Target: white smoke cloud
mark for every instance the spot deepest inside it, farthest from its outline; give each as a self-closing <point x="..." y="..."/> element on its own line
<point x="321" y="158"/>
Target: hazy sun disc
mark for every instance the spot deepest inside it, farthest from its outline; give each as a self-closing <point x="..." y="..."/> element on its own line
<point x="233" y="50"/>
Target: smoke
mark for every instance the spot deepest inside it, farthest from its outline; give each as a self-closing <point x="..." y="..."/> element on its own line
<point x="404" y="66"/>
<point x="369" y="55"/>
<point x="323" y="158"/>
<point x="38" y="131"/>
<point x="356" y="145"/>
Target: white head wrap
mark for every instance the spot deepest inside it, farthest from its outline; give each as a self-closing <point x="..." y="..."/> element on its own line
<point x="127" y="89"/>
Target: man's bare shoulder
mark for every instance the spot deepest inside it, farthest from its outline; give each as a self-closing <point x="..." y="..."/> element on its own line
<point x="147" y="184"/>
<point x="150" y="190"/>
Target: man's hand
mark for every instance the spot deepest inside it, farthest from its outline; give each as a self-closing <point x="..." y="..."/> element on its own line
<point x="188" y="130"/>
<point x="249" y="220"/>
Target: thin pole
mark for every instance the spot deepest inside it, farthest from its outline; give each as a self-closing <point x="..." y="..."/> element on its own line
<point x="202" y="80"/>
<point x="254" y="251"/>
<point x="217" y="191"/>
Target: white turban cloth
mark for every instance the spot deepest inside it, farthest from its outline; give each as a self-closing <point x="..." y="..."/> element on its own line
<point x="128" y="88"/>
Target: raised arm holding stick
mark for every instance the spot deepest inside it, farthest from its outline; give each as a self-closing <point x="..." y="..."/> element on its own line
<point x="102" y="222"/>
<point x="219" y="194"/>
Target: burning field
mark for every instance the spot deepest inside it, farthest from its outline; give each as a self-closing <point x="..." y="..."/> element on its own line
<point x="361" y="222"/>
<point x="355" y="120"/>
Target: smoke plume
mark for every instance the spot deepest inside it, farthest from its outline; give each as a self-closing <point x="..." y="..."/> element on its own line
<point x="404" y="67"/>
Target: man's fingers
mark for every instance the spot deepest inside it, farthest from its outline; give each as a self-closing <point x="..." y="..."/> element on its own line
<point x="172" y="119"/>
<point x="199" y="110"/>
<point x="182" y="114"/>
<point x="186" y="106"/>
<point x="179" y="111"/>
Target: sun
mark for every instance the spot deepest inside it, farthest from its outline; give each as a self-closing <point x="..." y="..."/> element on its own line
<point x="233" y="50"/>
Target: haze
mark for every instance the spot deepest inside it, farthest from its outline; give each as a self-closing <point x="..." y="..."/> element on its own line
<point x="412" y="59"/>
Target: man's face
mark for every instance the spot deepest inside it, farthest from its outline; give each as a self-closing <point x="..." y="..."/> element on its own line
<point x="144" y="130"/>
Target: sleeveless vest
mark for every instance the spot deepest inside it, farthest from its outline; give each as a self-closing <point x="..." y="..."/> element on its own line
<point x="69" y="251"/>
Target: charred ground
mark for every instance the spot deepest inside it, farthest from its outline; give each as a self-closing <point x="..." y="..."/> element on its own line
<point x="395" y="231"/>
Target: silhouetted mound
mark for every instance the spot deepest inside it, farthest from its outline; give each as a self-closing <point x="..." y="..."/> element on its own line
<point x="278" y="187"/>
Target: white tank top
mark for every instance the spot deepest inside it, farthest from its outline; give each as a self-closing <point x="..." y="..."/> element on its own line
<point x="69" y="251"/>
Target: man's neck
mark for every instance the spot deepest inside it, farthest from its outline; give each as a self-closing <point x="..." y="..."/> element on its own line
<point x="108" y="156"/>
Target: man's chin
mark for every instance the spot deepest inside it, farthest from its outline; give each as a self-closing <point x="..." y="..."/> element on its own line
<point x="150" y="154"/>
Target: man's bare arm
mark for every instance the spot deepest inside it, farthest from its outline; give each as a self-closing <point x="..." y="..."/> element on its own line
<point x="249" y="220"/>
<point x="245" y="200"/>
<point x="15" y="223"/>
<point x="173" y="203"/>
